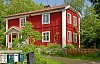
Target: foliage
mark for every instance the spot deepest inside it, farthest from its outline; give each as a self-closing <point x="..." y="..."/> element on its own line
<point x="29" y="32"/>
<point x="2" y="37"/>
<point x="52" y="49"/>
<point x="96" y="5"/>
<point x="70" y="46"/>
<point x="17" y="6"/>
<point x="90" y="28"/>
<point x="38" y="57"/>
<point x="8" y="7"/>
<point x="78" y="4"/>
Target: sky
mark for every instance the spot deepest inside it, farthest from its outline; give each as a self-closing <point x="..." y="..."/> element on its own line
<point x="54" y="2"/>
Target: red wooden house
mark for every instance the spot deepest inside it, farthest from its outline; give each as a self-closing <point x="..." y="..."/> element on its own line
<point x="60" y="21"/>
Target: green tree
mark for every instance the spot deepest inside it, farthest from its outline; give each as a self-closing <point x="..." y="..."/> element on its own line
<point x="90" y="28"/>
<point x="96" y="5"/>
<point x="78" y="4"/>
<point x="8" y="7"/>
<point x="17" y="6"/>
<point x="27" y="32"/>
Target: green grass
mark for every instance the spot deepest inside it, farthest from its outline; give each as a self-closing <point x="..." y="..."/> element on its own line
<point x="50" y="61"/>
<point x="84" y="57"/>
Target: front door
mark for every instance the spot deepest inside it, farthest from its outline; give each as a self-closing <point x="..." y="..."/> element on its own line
<point x="14" y="35"/>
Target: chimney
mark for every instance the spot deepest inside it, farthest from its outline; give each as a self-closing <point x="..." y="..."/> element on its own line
<point x="47" y="6"/>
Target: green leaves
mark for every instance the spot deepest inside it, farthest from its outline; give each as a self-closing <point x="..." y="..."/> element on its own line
<point x="78" y="4"/>
<point x="29" y="32"/>
<point x="90" y="27"/>
<point x="17" y="6"/>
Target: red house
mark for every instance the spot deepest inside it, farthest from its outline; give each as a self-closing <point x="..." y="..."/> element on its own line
<point x="60" y="21"/>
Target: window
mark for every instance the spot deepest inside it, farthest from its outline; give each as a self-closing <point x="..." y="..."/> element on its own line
<point x="74" y="21"/>
<point x="69" y="18"/>
<point x="46" y="36"/>
<point x="69" y="36"/>
<point x="75" y="37"/>
<point x="45" y="18"/>
<point x="22" y="22"/>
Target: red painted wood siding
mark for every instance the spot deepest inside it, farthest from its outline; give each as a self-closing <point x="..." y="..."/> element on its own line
<point x="13" y="22"/>
<point x="70" y="27"/>
<point x="53" y="27"/>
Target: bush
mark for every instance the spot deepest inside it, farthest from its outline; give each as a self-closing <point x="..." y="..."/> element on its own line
<point x="98" y="54"/>
<point x="70" y="46"/>
<point x="52" y="49"/>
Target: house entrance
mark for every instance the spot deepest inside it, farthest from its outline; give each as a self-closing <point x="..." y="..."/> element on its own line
<point x="14" y="35"/>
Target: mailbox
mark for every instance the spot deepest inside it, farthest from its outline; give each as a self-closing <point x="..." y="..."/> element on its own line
<point x="30" y="58"/>
<point x="15" y="57"/>
<point x="21" y="57"/>
<point x="4" y="58"/>
<point x="10" y="58"/>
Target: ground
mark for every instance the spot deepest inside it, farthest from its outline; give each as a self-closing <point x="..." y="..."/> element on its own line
<point x="72" y="61"/>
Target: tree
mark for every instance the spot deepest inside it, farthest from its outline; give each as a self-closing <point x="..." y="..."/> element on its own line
<point x="8" y="7"/>
<point x="27" y="32"/>
<point x="18" y="6"/>
<point x="96" y="5"/>
<point x="78" y="4"/>
<point x="90" y="28"/>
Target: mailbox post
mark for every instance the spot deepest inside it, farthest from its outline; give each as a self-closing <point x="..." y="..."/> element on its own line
<point x="10" y="58"/>
<point x="30" y="58"/>
<point x="21" y="57"/>
<point x="4" y="58"/>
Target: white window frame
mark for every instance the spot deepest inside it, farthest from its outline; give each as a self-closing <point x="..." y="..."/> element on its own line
<point x="69" y="38"/>
<point x="21" y="19"/>
<point x="70" y="22"/>
<point x="49" y="36"/>
<point x="45" y="18"/>
<point x="75" y="37"/>
<point x="75" y="24"/>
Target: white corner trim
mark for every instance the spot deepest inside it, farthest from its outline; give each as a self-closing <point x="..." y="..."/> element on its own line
<point x="49" y="18"/>
<point x="20" y="21"/>
<point x="49" y="36"/>
<point x="79" y="32"/>
<point x="6" y="40"/>
<point x="6" y="30"/>
<point x="67" y="7"/>
<point x="63" y="28"/>
<point x="6" y="24"/>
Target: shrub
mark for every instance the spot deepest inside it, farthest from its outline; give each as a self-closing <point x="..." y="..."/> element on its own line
<point x="52" y="49"/>
<point x="98" y="53"/>
<point x="70" y="46"/>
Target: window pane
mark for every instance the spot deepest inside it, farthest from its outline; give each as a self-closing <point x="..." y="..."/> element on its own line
<point x="46" y="18"/>
<point x="46" y="36"/>
<point x="22" y="21"/>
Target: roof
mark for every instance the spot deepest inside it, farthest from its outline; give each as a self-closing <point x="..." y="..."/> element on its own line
<point x="14" y="27"/>
<point x="37" y="11"/>
<point x="45" y="10"/>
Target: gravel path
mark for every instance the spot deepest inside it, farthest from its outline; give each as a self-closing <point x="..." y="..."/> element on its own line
<point x="72" y="61"/>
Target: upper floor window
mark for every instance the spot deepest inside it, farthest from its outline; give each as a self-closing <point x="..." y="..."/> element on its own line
<point x="69" y="18"/>
<point x="45" y="18"/>
<point x="74" y="21"/>
<point x="69" y="36"/>
<point x="75" y="37"/>
<point x="46" y="36"/>
<point x="22" y="22"/>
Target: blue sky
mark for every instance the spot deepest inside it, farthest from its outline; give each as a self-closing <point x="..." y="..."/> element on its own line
<point x="54" y="2"/>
